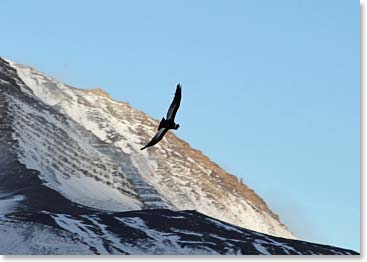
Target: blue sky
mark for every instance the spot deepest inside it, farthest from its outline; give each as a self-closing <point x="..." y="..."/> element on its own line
<point x="270" y="88"/>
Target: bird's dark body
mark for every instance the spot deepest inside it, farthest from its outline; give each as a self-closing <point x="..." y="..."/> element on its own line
<point x="169" y="123"/>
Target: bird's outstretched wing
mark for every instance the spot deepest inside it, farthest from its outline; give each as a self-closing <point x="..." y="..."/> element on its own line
<point x="158" y="137"/>
<point x="175" y="104"/>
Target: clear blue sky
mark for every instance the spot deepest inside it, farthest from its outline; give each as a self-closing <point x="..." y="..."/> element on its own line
<point x="270" y="88"/>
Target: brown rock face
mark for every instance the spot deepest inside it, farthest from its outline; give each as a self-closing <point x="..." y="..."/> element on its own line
<point x="99" y="92"/>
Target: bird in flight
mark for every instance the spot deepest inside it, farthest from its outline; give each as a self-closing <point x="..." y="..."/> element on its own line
<point x="169" y="123"/>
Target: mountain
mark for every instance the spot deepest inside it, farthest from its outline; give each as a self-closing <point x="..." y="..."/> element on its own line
<point x="151" y="231"/>
<point x="74" y="181"/>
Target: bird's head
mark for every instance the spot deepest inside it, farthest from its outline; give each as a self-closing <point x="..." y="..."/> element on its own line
<point x="177" y="126"/>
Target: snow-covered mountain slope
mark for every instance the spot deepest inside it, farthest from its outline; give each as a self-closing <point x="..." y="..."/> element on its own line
<point x="86" y="146"/>
<point x="159" y="231"/>
<point x="71" y="172"/>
